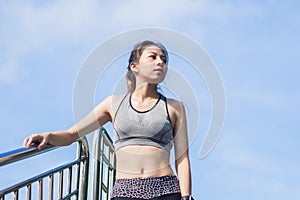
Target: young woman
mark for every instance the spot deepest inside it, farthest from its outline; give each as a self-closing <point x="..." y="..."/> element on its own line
<point x="146" y="125"/>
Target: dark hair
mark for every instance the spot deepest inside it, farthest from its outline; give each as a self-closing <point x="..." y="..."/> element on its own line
<point x="135" y="56"/>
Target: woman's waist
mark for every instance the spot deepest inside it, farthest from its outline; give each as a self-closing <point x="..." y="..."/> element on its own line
<point x="144" y="173"/>
<point x="142" y="161"/>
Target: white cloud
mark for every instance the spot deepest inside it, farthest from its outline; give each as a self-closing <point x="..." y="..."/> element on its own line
<point x="157" y="11"/>
<point x="31" y="27"/>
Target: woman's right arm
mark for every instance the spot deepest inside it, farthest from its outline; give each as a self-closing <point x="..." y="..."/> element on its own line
<point x="100" y="115"/>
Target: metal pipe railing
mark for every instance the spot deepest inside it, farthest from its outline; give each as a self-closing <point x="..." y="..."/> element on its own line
<point x="70" y="180"/>
<point x="22" y="153"/>
<point x="81" y="164"/>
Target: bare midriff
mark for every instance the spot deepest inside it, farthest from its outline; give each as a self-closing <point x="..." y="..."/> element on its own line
<point x="137" y="161"/>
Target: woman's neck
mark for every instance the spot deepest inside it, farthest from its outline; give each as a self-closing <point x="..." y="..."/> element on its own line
<point x="145" y="91"/>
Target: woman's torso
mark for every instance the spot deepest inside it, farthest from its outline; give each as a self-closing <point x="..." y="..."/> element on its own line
<point x="139" y="161"/>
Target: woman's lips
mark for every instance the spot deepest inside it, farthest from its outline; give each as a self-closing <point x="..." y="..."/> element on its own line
<point x="158" y="70"/>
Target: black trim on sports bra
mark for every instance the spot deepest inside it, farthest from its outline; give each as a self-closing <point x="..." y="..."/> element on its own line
<point x="145" y="110"/>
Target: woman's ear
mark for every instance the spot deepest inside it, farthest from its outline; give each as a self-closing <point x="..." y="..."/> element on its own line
<point x="133" y="67"/>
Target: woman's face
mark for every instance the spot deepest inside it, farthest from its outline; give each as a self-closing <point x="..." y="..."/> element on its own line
<point x="152" y="66"/>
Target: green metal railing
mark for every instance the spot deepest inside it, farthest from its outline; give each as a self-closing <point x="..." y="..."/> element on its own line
<point x="70" y="180"/>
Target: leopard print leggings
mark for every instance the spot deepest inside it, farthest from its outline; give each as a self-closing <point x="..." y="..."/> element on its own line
<point x="162" y="187"/>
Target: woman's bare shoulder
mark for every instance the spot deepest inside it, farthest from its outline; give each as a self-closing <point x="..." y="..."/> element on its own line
<point x="115" y="101"/>
<point x="111" y="102"/>
<point x="117" y="96"/>
<point x="174" y="105"/>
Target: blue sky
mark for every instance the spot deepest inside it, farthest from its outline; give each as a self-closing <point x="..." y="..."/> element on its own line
<point x="254" y="44"/>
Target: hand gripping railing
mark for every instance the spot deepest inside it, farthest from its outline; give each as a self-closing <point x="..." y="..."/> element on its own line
<point x="76" y="170"/>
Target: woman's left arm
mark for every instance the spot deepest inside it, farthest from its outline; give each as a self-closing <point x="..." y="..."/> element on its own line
<point x="181" y="146"/>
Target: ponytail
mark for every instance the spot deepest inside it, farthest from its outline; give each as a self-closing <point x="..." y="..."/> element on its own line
<point x="130" y="81"/>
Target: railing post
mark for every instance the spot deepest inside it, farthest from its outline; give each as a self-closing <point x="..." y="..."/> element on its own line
<point x="102" y="154"/>
<point x="83" y="152"/>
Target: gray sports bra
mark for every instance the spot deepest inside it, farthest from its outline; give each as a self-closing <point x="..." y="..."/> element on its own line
<point x="152" y="127"/>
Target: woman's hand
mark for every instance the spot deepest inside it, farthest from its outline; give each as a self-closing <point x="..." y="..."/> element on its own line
<point x="41" y="140"/>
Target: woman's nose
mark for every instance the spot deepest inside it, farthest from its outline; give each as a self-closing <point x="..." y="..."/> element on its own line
<point x="159" y="60"/>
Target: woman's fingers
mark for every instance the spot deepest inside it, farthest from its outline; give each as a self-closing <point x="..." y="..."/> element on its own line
<point x="42" y="143"/>
<point x="38" y="140"/>
<point x="25" y="142"/>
